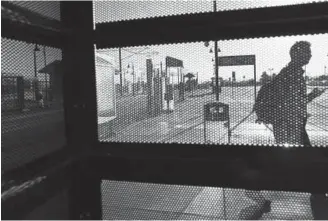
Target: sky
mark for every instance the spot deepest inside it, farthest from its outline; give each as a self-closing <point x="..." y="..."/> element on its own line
<point x="116" y="10"/>
<point x="270" y="53"/>
<point x="17" y="57"/>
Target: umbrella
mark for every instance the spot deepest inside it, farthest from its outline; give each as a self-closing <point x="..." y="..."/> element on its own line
<point x="189" y="75"/>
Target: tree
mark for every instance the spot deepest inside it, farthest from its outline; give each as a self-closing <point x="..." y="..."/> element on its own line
<point x="265" y="78"/>
<point x="323" y="77"/>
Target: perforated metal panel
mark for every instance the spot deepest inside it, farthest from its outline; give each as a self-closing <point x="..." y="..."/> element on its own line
<point x="49" y="9"/>
<point x="136" y="201"/>
<point x="31" y="87"/>
<point x="109" y="11"/>
<point x="31" y="102"/>
<point x="120" y="10"/>
<point x="144" y="115"/>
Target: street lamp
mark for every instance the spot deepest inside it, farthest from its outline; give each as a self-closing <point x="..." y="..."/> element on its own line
<point x="45" y="74"/>
<point x="132" y="53"/>
<point x="36" y="49"/>
<point x="216" y="67"/>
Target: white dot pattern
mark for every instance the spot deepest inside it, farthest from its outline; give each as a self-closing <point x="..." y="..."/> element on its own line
<point x="182" y="119"/>
<point x="122" y="10"/>
<point x="32" y="126"/>
<point x="147" y="201"/>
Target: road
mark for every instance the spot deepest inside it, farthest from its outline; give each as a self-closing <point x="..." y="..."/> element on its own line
<point x="185" y="124"/>
<point x="31" y="135"/>
<point x="123" y="200"/>
<point x="34" y="134"/>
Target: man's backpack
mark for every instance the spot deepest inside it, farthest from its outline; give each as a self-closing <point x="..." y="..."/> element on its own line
<point x="265" y="103"/>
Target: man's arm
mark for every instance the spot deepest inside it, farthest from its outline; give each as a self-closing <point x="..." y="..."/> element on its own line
<point x="316" y="92"/>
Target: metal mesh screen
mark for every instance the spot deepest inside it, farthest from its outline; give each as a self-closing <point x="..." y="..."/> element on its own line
<point x="49" y="9"/>
<point x="166" y="93"/>
<point x="119" y="10"/>
<point x="110" y="11"/>
<point x="138" y="201"/>
<point x="32" y="117"/>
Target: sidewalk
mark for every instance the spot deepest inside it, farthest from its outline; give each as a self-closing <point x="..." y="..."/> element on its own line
<point x="30" y="135"/>
<point x="20" y="120"/>
<point x="175" y="202"/>
<point x="185" y="124"/>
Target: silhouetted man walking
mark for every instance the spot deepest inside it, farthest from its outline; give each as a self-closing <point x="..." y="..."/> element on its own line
<point x="289" y="116"/>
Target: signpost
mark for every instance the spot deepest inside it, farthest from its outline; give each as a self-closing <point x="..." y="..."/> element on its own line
<point x="238" y="61"/>
<point x="169" y="89"/>
<point x="173" y="62"/>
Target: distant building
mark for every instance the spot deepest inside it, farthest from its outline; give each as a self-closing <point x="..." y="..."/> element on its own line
<point x="55" y="80"/>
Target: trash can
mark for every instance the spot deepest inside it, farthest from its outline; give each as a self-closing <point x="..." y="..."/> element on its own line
<point x="216" y="123"/>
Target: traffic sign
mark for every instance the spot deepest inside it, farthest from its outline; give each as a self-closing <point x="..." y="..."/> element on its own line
<point x="173" y="62"/>
<point x="236" y="60"/>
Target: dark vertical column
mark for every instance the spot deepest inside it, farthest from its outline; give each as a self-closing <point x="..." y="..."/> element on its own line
<point x="78" y="67"/>
<point x="80" y="102"/>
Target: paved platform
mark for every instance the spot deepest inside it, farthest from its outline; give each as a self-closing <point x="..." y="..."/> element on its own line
<point x="186" y="124"/>
<point x="124" y="200"/>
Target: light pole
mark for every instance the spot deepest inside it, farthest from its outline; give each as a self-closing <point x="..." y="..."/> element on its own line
<point x="132" y="53"/>
<point x="45" y="74"/>
<point x="133" y="78"/>
<point x="121" y="77"/>
<point x="36" y="49"/>
<point x="216" y="66"/>
<point x="216" y="62"/>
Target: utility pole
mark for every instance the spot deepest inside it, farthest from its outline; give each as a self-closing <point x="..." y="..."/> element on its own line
<point x="133" y="83"/>
<point x="216" y="62"/>
<point x="46" y="77"/>
<point x="36" y="89"/>
<point x="121" y="79"/>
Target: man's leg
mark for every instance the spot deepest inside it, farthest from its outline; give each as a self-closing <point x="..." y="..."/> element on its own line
<point x="319" y="202"/>
<point x="256" y="196"/>
<point x="319" y="206"/>
<point x="305" y="136"/>
<point x="255" y="212"/>
<point x="280" y="132"/>
<point x="262" y="206"/>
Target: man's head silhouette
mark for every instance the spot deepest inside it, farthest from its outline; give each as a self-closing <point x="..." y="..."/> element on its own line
<point x="300" y="53"/>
